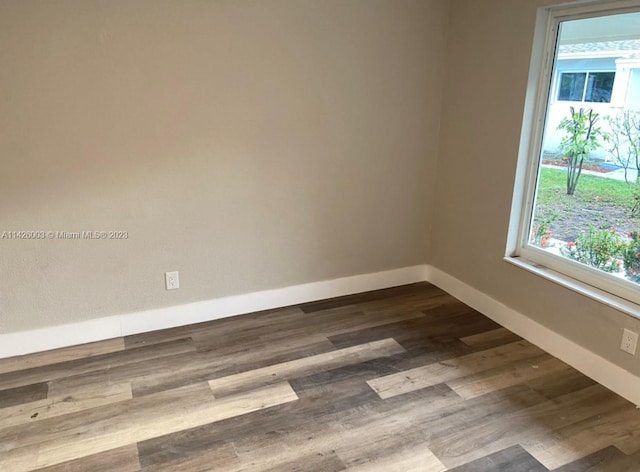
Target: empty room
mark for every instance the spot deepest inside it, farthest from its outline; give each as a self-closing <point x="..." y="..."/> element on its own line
<point x="319" y="235"/>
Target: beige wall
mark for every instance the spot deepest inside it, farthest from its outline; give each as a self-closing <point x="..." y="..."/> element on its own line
<point x="249" y="144"/>
<point x="487" y="67"/>
<point x="260" y="144"/>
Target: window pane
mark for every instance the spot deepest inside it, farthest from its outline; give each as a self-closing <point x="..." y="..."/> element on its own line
<point x="587" y="197"/>
<point x="599" y="87"/>
<point x="572" y="86"/>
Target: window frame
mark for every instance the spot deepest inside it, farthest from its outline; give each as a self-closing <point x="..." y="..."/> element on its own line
<point x="587" y="73"/>
<point x="541" y="92"/>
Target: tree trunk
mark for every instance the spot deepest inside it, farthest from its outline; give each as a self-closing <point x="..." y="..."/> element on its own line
<point x="574" y="169"/>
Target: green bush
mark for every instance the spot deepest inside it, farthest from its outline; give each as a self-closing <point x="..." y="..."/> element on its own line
<point x="596" y="248"/>
<point x="631" y="258"/>
<point x="582" y="136"/>
<point x="541" y="231"/>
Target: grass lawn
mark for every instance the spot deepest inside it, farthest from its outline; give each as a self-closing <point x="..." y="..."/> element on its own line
<point x="599" y="201"/>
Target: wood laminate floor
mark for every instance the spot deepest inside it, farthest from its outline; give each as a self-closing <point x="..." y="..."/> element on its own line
<point x="404" y="379"/>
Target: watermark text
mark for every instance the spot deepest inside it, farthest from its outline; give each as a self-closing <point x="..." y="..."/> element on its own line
<point x="87" y="234"/>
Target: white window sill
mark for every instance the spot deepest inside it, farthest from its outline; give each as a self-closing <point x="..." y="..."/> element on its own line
<point x="606" y="298"/>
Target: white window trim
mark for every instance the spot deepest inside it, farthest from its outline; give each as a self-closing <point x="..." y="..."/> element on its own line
<point x="617" y="293"/>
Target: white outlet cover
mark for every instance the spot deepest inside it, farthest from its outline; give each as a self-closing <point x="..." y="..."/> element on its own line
<point x="629" y="342"/>
<point x="171" y="280"/>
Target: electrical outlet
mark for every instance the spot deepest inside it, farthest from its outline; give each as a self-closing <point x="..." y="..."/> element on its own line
<point x="171" y="280"/>
<point x="629" y="342"/>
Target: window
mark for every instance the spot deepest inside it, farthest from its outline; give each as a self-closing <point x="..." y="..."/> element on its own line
<point x="586" y="86"/>
<point x="577" y="202"/>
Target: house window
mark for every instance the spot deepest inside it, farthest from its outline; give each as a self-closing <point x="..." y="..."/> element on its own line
<point x="586" y="86"/>
<point x="577" y="200"/>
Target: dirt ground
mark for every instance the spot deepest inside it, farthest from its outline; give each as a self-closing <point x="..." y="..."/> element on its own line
<point x="573" y="220"/>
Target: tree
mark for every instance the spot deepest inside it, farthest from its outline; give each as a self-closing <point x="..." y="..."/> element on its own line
<point x="618" y="143"/>
<point x="582" y="137"/>
<point x="624" y="139"/>
<point x="632" y="133"/>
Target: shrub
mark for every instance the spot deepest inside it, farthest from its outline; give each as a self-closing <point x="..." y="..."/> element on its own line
<point x="582" y="136"/>
<point x="541" y="232"/>
<point x="635" y="210"/>
<point x="631" y="258"/>
<point x="596" y="248"/>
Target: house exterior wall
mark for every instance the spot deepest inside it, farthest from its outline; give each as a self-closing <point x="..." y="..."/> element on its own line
<point x="560" y="109"/>
<point x="633" y="93"/>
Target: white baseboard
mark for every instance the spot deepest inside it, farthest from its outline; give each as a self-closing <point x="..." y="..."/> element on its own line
<point x="615" y="378"/>
<point x="608" y="374"/>
<point x="43" y="339"/>
<point x="54" y="337"/>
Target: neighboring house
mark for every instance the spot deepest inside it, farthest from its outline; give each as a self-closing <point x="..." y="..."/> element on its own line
<point x="604" y="76"/>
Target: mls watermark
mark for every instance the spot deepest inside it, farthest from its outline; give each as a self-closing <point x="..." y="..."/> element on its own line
<point x="98" y="235"/>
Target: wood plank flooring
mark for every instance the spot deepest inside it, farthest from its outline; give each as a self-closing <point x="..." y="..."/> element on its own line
<point x="404" y="379"/>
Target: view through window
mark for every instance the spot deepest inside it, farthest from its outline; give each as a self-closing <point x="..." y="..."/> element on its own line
<point x="586" y="210"/>
<point x="586" y="86"/>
